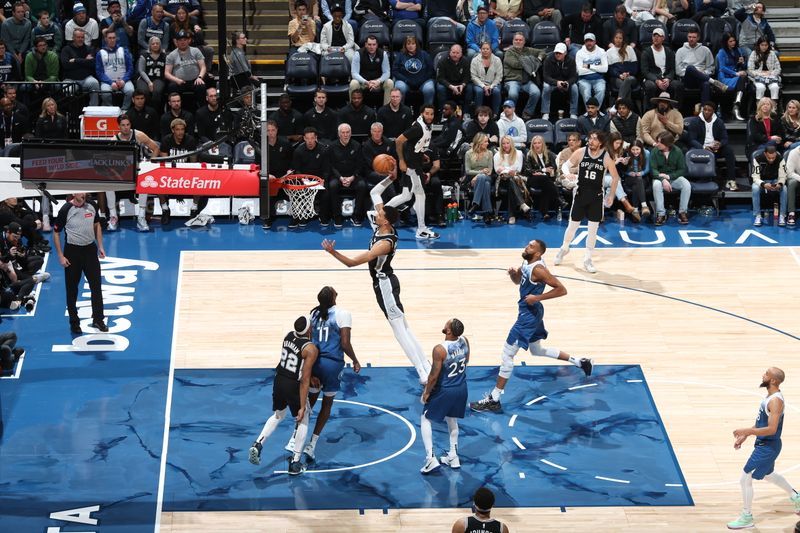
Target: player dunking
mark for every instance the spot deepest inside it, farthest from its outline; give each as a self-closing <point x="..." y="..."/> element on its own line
<point x="386" y="285"/>
<point x="767" y="431"/>
<point x="528" y="331"/>
<point x="290" y="389"/>
<point x="445" y="396"/>
<point x="411" y="147"/>
<point x="593" y="162"/>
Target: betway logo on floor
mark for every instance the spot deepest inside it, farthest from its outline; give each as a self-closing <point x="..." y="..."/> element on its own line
<point x="119" y="277"/>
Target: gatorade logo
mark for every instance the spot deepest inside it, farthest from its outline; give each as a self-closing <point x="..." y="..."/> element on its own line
<point x="102" y="124"/>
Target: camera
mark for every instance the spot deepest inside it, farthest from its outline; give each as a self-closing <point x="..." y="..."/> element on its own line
<point x="28" y="302"/>
<point x="305" y="18"/>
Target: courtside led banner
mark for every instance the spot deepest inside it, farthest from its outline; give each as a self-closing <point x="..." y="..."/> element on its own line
<point x="198" y="179"/>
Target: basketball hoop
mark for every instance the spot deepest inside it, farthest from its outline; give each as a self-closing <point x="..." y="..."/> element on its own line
<point x="302" y="189"/>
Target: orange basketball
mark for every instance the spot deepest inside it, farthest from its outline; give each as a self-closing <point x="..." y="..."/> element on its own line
<point x="383" y="164"/>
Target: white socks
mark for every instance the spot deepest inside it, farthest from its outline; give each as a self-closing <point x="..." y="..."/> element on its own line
<point x="746" y="481"/>
<point x="270" y="425"/>
<point x="300" y="435"/>
<point x="452" y="428"/>
<point x="569" y="234"/>
<point x="591" y="239"/>
<point x="427" y="435"/>
<point x="496" y="394"/>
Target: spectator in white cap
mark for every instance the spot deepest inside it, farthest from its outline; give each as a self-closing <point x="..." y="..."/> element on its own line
<point x="80" y="19"/>
<point x="658" y="69"/>
<point x="559" y="73"/>
<point x="592" y="64"/>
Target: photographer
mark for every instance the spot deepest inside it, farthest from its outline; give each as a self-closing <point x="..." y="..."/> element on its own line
<point x="13" y="210"/>
<point x="9" y="352"/>
<point x="26" y="263"/>
<point x="14" y="292"/>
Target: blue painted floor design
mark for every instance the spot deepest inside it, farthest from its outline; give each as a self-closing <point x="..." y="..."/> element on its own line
<point x="609" y="429"/>
<point x="86" y="428"/>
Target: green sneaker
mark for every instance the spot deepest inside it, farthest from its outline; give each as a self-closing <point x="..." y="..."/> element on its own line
<point x="745" y="521"/>
<point x="795" y="499"/>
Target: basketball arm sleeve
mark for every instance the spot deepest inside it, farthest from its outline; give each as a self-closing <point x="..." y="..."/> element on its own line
<point x="376" y="192"/>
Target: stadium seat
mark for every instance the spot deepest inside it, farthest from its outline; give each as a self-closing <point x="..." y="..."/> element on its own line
<point x="545" y="35"/>
<point x="216" y="154"/>
<point x="605" y="8"/>
<point x="713" y="29"/>
<point x="439" y="57"/>
<point x="402" y="29"/>
<point x="701" y="169"/>
<point x="372" y="26"/>
<point x="511" y="28"/>
<point x="680" y="30"/>
<point x="646" y="32"/>
<point x="571" y="7"/>
<point x="441" y="36"/>
<point x="302" y="73"/>
<point x="539" y="126"/>
<point x="334" y="73"/>
<point x="563" y="128"/>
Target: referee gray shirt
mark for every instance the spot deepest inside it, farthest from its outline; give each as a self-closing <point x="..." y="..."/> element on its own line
<point x="77" y="222"/>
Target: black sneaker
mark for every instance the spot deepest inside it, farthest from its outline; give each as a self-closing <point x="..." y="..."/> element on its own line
<point x="255" y="453"/>
<point x="296" y="468"/>
<point x="294" y="223"/>
<point x="486" y="405"/>
<point x="266" y="224"/>
<point x="338" y="222"/>
<point x="357" y="221"/>
<point x="165" y="215"/>
<point x="99" y="325"/>
<point x="17" y="353"/>
<point x="324" y="222"/>
<point x="587" y="365"/>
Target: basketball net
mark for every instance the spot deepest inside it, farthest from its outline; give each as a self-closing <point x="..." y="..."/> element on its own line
<point x="302" y="193"/>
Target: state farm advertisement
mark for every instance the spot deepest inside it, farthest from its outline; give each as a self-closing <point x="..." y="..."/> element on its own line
<point x="189" y="179"/>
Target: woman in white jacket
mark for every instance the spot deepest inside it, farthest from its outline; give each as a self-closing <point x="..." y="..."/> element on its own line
<point x="333" y="31"/>
<point x="486" y="71"/>
<point x="508" y="166"/>
<point x="640" y="10"/>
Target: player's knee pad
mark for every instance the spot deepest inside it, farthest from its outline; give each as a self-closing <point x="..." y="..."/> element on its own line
<point x="507" y="360"/>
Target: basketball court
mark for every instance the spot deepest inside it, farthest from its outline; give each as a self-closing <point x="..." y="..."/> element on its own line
<point x="147" y="428"/>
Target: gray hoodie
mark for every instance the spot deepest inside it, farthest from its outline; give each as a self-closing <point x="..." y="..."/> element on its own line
<point x="16" y="36"/>
<point x="700" y="57"/>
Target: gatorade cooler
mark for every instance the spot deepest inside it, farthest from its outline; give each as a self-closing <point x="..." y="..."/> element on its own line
<point x="99" y="122"/>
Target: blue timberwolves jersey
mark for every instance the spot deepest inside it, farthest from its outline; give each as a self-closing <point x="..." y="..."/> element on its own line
<point x="454" y="368"/>
<point x="327" y="335"/>
<point x="528" y="286"/>
<point x="762" y="420"/>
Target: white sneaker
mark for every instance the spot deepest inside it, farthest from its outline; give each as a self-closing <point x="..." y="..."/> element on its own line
<point x="141" y="224"/>
<point x="781" y="220"/>
<point x="309" y="451"/>
<point x="560" y="255"/>
<point x="450" y="460"/>
<point x="431" y="465"/>
<point x="545" y="116"/>
<point x="524" y="207"/>
<point x="113" y="224"/>
<point x="589" y="267"/>
<point x="757" y="221"/>
<point x="289" y="445"/>
<point x="41" y="277"/>
<point x="427" y="233"/>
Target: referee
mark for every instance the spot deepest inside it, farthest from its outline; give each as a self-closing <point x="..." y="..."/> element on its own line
<point x="79" y="220"/>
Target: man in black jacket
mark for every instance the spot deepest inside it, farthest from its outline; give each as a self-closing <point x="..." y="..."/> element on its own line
<point x="376" y="145"/>
<point x="212" y="120"/>
<point x="708" y="132"/>
<point x="620" y="21"/>
<point x="78" y="65"/>
<point x="449" y="138"/>
<point x="175" y="110"/>
<point x="311" y="157"/>
<point x="576" y="25"/>
<point x="290" y="121"/>
<point x="559" y="72"/>
<point x="452" y="77"/>
<point x="346" y="176"/>
<point x="322" y="118"/>
<point x="658" y="69"/>
<point x="143" y="118"/>
<point x="395" y="116"/>
<point x="359" y="116"/>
